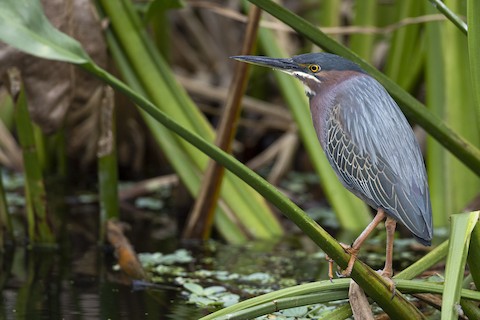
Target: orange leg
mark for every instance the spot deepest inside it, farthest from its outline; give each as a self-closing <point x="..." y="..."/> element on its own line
<point x="387" y="272"/>
<point x="330" y="268"/>
<point x="390" y="225"/>
<point x="355" y="247"/>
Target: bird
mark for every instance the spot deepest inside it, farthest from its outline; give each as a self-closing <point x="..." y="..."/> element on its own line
<point x="368" y="142"/>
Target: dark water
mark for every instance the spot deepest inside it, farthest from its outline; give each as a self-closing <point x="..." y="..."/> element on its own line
<point x="80" y="282"/>
<point x="45" y="285"/>
<point x="77" y="279"/>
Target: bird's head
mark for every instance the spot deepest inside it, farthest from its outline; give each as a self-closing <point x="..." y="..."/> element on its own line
<point x="311" y="68"/>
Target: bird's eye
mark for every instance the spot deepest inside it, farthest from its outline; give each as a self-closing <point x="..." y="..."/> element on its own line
<point x="314" y="68"/>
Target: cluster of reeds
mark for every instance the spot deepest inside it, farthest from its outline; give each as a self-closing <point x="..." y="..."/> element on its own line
<point x="427" y="51"/>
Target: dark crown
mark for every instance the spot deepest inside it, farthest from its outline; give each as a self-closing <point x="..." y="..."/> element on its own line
<point x="328" y="61"/>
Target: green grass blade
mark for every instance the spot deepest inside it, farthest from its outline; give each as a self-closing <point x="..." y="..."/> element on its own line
<point x="37" y="214"/>
<point x="338" y="285"/>
<point x="473" y="9"/>
<point x="413" y="109"/>
<point x="470" y="309"/>
<point x="406" y="47"/>
<point x="270" y="307"/>
<point x="462" y="226"/>
<point x="6" y="229"/>
<point x="459" y="113"/>
<point x="435" y="101"/>
<point x="426" y="262"/>
<point x="161" y="87"/>
<point x="474" y="256"/>
<point x="365" y="16"/>
<point x="107" y="162"/>
<point x="455" y="19"/>
<point x="165" y="138"/>
<point x="148" y="53"/>
<point x="329" y="14"/>
<point x="304" y="289"/>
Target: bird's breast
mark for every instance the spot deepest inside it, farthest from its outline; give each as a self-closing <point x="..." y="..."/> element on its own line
<point x="323" y="100"/>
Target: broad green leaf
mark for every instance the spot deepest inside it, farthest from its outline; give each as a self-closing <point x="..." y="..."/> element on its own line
<point x="24" y="26"/>
<point x="462" y="226"/>
<point x="193" y="287"/>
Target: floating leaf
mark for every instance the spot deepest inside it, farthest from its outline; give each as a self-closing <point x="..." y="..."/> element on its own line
<point x="214" y="290"/>
<point x="193" y="287"/>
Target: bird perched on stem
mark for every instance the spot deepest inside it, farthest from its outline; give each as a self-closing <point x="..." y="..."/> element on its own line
<point x="367" y="141"/>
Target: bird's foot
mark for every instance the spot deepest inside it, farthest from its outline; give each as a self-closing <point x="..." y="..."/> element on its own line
<point x="387" y="275"/>
<point x="353" y="256"/>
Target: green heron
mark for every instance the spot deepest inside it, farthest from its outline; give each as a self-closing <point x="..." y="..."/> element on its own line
<point x="367" y="141"/>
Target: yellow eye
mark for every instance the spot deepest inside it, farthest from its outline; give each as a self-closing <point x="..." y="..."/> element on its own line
<point x="314" y="68"/>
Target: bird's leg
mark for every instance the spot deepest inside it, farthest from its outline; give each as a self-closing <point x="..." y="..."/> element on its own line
<point x="330" y="268"/>
<point x="390" y="225"/>
<point x="355" y="247"/>
<point x="387" y="272"/>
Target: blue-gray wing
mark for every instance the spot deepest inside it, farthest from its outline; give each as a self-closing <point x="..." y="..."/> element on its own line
<point x="374" y="152"/>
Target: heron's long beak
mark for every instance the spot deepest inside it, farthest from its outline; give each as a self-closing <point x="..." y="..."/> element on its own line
<point x="286" y="65"/>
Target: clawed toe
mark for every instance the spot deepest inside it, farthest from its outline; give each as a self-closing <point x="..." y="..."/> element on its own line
<point x="346" y="247"/>
<point x="387" y="275"/>
<point x="353" y="256"/>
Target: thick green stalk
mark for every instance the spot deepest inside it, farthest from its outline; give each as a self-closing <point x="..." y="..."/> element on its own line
<point x="459" y="112"/>
<point x="188" y="110"/>
<point x="425" y="263"/>
<point x="107" y="162"/>
<point x="329" y="14"/>
<point x="420" y="266"/>
<point x="474" y="256"/>
<point x="406" y="54"/>
<point x="473" y="9"/>
<point x="365" y="16"/>
<point x="465" y="151"/>
<point x="470" y="308"/>
<point x="177" y="156"/>
<point x="37" y="214"/>
<point x="435" y="101"/>
<point x="159" y="84"/>
<point x="455" y="19"/>
<point x="318" y="292"/>
<point x="6" y="229"/>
